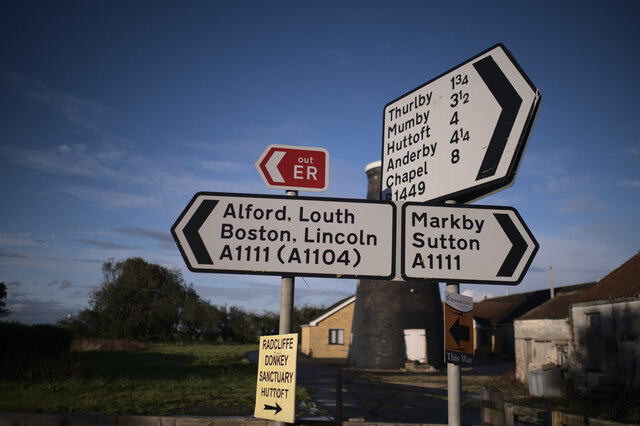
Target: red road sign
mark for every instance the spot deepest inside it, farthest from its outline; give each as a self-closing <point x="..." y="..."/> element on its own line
<point x="294" y="168"/>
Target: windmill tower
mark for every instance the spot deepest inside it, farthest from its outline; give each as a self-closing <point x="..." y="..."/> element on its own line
<point x="386" y="311"/>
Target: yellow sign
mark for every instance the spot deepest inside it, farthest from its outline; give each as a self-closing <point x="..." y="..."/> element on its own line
<point x="276" y="389"/>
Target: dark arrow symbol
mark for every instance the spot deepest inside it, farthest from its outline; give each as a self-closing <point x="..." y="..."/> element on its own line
<point x="277" y="408"/>
<point x="192" y="232"/>
<point x="459" y="332"/>
<point x="509" y="101"/>
<point x="517" y="250"/>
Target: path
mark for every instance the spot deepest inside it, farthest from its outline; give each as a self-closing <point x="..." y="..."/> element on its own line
<point x="383" y="405"/>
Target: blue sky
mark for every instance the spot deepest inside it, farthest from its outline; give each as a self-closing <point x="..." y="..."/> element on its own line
<point x="113" y="114"/>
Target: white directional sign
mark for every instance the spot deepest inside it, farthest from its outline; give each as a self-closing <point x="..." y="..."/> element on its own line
<point x="471" y="244"/>
<point x="276" y="384"/>
<point x="460" y="136"/>
<point x="276" y="235"/>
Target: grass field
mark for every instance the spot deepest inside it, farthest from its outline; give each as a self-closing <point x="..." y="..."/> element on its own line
<point x="155" y="380"/>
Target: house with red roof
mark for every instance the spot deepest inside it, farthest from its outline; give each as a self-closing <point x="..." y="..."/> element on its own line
<point x="493" y="320"/>
<point x="605" y="324"/>
<point x="587" y="336"/>
<point x="543" y="335"/>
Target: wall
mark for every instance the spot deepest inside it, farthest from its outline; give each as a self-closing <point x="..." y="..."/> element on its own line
<point x="305" y="344"/>
<point x="384" y="309"/>
<point x="497" y="341"/>
<point x="540" y="342"/>
<point x="319" y="346"/>
<point x="609" y="352"/>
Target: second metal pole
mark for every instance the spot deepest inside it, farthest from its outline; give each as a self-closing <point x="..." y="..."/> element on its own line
<point x="454" y="381"/>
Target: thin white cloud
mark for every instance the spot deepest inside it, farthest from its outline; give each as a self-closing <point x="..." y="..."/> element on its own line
<point x="477" y="295"/>
<point x="4" y="253"/>
<point x="21" y="240"/>
<point x="602" y="231"/>
<point x="71" y="160"/>
<point x="63" y="284"/>
<point x="574" y="259"/>
<point x="162" y="237"/>
<point x="222" y="166"/>
<point x="630" y="183"/>
<point x="103" y="245"/>
<point x="584" y="205"/>
<point x="338" y="56"/>
<point x="549" y="169"/>
<point x="109" y="198"/>
<point x="633" y="149"/>
<point x="82" y="112"/>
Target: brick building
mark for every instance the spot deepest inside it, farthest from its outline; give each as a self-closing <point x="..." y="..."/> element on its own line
<point x="329" y="335"/>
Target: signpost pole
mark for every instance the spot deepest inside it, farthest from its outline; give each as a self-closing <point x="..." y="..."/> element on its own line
<point x="454" y="380"/>
<point x="286" y="295"/>
<point x="286" y="301"/>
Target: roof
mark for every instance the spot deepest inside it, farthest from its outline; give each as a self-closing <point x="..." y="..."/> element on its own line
<point x="501" y="310"/>
<point x="333" y="309"/>
<point x="505" y="309"/>
<point x="622" y="282"/>
<point x="558" y="307"/>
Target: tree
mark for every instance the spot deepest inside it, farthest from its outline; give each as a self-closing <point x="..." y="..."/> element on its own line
<point x="137" y="300"/>
<point x="3" y="295"/>
<point x="304" y="315"/>
<point x="200" y="320"/>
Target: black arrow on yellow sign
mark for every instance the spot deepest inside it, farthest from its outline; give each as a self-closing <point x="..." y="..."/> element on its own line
<point x="277" y="408"/>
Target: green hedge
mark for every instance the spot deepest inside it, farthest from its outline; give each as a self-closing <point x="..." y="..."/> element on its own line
<point x="23" y="346"/>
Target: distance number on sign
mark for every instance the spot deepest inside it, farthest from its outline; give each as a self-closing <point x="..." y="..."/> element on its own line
<point x="292" y="255"/>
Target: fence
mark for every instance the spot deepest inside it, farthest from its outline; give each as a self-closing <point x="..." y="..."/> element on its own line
<point x="376" y="399"/>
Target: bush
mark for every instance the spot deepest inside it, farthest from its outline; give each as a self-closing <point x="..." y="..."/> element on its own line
<point x="23" y="347"/>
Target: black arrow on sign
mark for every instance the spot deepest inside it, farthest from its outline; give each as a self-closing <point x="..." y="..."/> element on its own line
<point x="277" y="408"/>
<point x="518" y="248"/>
<point x="192" y="231"/>
<point x="509" y="101"/>
<point x="459" y="332"/>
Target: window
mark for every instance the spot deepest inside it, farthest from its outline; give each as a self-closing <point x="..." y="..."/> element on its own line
<point x="563" y="358"/>
<point x="484" y="336"/>
<point x="593" y="320"/>
<point x="336" y="336"/>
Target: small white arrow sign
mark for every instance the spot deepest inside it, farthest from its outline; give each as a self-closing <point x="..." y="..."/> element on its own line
<point x="272" y="166"/>
<point x="296" y="168"/>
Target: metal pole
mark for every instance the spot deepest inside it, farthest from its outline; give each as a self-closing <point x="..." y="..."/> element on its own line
<point x="286" y="301"/>
<point x="286" y="305"/>
<point x="454" y="381"/>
